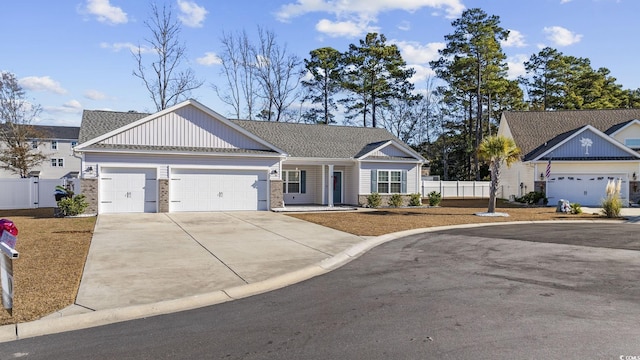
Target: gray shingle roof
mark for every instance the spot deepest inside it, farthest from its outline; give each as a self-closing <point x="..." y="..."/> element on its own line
<point x="297" y="140"/>
<point x="532" y="129"/>
<point x="319" y="141"/>
<point x="99" y="122"/>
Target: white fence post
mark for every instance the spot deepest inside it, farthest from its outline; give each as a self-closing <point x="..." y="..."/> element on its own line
<point x="449" y="189"/>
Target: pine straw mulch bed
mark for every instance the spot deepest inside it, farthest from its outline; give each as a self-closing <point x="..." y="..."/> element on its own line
<point x="450" y="212"/>
<point x="52" y="256"/>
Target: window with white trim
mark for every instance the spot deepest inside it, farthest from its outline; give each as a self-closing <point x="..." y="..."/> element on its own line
<point x="389" y="182"/>
<point x="34" y="144"/>
<point x="57" y="162"/>
<point x="291" y="181"/>
<point x="74" y="144"/>
<point x="54" y="145"/>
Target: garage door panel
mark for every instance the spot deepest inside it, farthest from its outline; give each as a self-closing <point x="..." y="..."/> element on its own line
<point x="217" y="190"/>
<point x="127" y="190"/>
<point x="586" y="190"/>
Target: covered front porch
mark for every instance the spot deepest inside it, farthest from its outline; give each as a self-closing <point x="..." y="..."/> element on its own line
<point x="321" y="183"/>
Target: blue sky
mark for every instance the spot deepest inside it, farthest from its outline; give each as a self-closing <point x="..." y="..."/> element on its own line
<point x="71" y="55"/>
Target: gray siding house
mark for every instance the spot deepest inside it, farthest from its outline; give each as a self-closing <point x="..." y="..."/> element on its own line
<point x="190" y="158"/>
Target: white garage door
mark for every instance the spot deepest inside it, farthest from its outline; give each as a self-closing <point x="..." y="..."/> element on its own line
<point x="127" y="190"/>
<point x="587" y="190"/>
<point x="217" y="190"/>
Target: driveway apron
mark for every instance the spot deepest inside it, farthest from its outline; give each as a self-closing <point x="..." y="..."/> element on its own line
<point x="145" y="258"/>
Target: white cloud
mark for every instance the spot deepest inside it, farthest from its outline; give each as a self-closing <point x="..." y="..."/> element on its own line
<point x="41" y="83"/>
<point x="365" y="8"/>
<point x="105" y="12"/>
<point x="422" y="73"/>
<point x="70" y="107"/>
<point x="561" y="36"/>
<point x="209" y="59"/>
<point x="413" y="52"/>
<point x="343" y="28"/>
<point x="116" y="47"/>
<point x="94" y="95"/>
<point x="564" y="1"/>
<point x="516" y="66"/>
<point x="191" y="14"/>
<point x="404" y="26"/>
<point x="515" y="39"/>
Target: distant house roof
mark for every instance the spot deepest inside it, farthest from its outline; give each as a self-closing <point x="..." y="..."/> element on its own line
<point x="55" y="132"/>
<point x="297" y="140"/>
<point x="536" y="131"/>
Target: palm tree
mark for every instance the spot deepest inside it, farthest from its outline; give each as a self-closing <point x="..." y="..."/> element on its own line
<point x="497" y="150"/>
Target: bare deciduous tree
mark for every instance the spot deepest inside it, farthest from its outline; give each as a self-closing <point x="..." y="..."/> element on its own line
<point x="17" y="136"/>
<point x="238" y="67"/>
<point x="263" y="72"/>
<point x="166" y="82"/>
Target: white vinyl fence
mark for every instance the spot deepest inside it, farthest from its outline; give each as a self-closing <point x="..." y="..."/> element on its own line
<point x="30" y="193"/>
<point x="458" y="189"/>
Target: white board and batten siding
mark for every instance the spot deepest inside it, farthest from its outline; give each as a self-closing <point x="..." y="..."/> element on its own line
<point x="186" y="127"/>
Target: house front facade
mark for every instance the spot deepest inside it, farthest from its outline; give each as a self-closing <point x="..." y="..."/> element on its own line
<point x="572" y="155"/>
<point x="56" y="144"/>
<point x="190" y="158"/>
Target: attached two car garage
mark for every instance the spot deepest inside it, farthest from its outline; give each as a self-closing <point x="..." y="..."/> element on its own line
<point x="136" y="189"/>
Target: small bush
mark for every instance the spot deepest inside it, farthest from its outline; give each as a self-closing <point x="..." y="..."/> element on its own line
<point x="71" y="206"/>
<point x="374" y="200"/>
<point x="576" y="208"/>
<point x="434" y="198"/>
<point x="415" y="200"/>
<point x="533" y="198"/>
<point x="395" y="200"/>
<point x="611" y="206"/>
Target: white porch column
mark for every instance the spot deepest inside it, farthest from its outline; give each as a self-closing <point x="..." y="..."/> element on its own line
<point x="331" y="187"/>
<point x="323" y="200"/>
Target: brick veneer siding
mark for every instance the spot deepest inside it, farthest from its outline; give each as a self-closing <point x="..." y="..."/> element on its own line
<point x="276" y="196"/>
<point x="163" y="195"/>
<point x="362" y="200"/>
<point x="89" y="188"/>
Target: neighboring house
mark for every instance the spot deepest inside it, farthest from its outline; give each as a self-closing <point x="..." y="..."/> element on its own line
<point x="190" y="158"/>
<point x="583" y="150"/>
<point x="56" y="143"/>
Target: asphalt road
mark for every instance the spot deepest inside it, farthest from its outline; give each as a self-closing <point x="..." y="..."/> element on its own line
<point x="460" y="294"/>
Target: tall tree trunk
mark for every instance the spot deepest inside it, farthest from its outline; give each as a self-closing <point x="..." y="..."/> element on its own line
<point x="476" y="162"/>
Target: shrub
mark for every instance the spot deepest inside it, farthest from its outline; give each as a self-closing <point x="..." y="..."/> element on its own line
<point x="533" y="198"/>
<point x="71" y="206"/>
<point x="576" y="208"/>
<point x="611" y="207"/>
<point x="434" y="198"/>
<point x="374" y="200"/>
<point x="612" y="204"/>
<point x="415" y="200"/>
<point x="395" y="200"/>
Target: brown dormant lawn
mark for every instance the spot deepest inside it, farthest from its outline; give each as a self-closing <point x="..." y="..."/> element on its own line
<point x="53" y="251"/>
<point x="450" y="212"/>
<point x="52" y="256"/>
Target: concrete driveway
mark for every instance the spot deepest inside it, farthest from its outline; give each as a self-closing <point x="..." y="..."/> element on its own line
<point x="146" y="258"/>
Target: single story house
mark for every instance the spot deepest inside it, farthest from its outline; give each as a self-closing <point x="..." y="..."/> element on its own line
<point x="190" y="158"/>
<point x="572" y="154"/>
<point x="56" y="143"/>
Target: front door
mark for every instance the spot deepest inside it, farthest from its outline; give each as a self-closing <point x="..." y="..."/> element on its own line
<point x="337" y="187"/>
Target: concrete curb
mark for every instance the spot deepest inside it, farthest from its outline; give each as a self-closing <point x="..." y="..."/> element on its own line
<point x="104" y="317"/>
